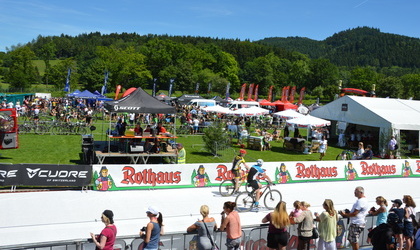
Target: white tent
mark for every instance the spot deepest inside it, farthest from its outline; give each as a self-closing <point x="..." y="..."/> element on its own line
<point x="216" y="109"/>
<point x="308" y="121"/>
<point x="288" y="114"/>
<point x="252" y="111"/>
<point x="389" y="115"/>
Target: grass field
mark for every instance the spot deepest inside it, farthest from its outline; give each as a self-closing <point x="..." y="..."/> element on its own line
<point x="66" y="149"/>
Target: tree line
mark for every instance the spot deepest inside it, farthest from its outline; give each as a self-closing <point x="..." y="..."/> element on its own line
<point x="134" y="60"/>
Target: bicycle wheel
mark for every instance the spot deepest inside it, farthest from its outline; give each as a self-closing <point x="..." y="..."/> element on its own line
<point x="244" y="202"/>
<point x="272" y="198"/>
<point x="40" y="129"/>
<point x="227" y="187"/>
<point x="56" y="130"/>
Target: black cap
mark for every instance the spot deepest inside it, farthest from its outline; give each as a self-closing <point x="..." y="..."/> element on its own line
<point x="398" y="201"/>
<point x="110" y="215"/>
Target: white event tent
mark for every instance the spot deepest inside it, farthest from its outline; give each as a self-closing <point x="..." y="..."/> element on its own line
<point x="390" y="116"/>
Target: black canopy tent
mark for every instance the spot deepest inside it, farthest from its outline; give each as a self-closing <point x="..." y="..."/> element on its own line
<point x="139" y="102"/>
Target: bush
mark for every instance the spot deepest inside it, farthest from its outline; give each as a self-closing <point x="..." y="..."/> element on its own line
<point x="216" y="138"/>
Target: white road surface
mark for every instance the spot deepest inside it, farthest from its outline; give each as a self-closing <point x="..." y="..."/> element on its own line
<point x="66" y="215"/>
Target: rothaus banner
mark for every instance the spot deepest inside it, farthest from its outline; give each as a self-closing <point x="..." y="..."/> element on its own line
<point x="123" y="177"/>
<point x="45" y="175"/>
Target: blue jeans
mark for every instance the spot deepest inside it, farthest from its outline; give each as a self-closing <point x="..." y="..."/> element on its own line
<point x="233" y="243"/>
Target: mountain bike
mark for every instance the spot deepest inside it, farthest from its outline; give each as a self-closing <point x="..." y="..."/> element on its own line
<point x="245" y="201"/>
<point x="227" y="187"/>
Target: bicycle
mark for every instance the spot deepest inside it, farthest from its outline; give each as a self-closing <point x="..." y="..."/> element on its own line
<point x="245" y="201"/>
<point x="227" y="187"/>
<point x="346" y="155"/>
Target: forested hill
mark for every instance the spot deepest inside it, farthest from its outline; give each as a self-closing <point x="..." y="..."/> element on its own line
<point x="362" y="46"/>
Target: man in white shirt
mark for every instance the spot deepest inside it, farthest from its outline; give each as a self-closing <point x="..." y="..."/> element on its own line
<point x="357" y="216"/>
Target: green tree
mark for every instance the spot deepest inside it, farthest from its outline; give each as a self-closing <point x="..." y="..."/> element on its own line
<point x="47" y="53"/>
<point x="58" y="74"/>
<point x="411" y="83"/>
<point x="363" y="78"/>
<point x="22" y="72"/>
<point x="322" y="72"/>
<point x="390" y="86"/>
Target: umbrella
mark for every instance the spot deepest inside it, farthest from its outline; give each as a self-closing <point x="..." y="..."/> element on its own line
<point x="288" y="114"/>
<point x="308" y="121"/>
<point x="252" y="111"/>
<point x="216" y="109"/>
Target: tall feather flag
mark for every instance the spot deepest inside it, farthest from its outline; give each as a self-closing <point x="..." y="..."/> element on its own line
<point x="292" y="94"/>
<point x="256" y="93"/>
<point x="103" y="90"/>
<point x="197" y="86"/>
<point x="209" y="88"/>
<point x="67" y="86"/>
<point x="270" y="94"/>
<point x="170" y="87"/>
<point x="154" y="87"/>
<point x="242" y="93"/>
<point x="227" y="91"/>
<point x="301" y="95"/>
<point x="251" y="87"/>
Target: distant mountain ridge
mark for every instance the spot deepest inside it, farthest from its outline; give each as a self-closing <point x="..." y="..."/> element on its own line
<point x="361" y="46"/>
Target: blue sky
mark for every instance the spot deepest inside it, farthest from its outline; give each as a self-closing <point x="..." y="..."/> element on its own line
<point x="23" y="20"/>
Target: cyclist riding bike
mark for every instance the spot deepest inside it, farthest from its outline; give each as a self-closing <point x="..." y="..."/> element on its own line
<point x="254" y="173"/>
<point x="236" y="168"/>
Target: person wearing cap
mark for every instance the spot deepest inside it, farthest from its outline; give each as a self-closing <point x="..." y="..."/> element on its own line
<point x="236" y="168"/>
<point x="357" y="217"/>
<point x="106" y="239"/>
<point x="154" y="229"/>
<point x="396" y="209"/>
<point x="182" y="155"/>
<point x="252" y="180"/>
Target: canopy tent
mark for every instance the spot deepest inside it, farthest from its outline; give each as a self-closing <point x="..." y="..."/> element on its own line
<point x="216" y="109"/>
<point x="139" y="102"/>
<point x="389" y="115"/>
<point x="163" y="97"/>
<point x="184" y="99"/>
<point x="74" y="93"/>
<point x="252" y="111"/>
<point x="265" y="102"/>
<point x="219" y="99"/>
<point x="288" y="114"/>
<point x="308" y="121"/>
<point x="86" y="94"/>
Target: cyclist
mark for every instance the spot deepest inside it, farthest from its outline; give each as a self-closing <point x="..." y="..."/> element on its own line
<point x="252" y="179"/>
<point x="236" y="168"/>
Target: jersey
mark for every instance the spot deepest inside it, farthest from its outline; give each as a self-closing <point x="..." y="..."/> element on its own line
<point x="237" y="161"/>
<point x="254" y="172"/>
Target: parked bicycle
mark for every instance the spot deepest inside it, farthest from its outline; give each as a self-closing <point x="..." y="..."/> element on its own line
<point x="227" y="187"/>
<point x="245" y="201"/>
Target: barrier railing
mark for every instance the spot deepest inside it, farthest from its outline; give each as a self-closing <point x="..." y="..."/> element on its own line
<point x="253" y="237"/>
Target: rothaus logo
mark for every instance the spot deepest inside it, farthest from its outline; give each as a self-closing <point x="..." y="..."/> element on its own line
<point x="56" y="173"/>
<point x="116" y="108"/>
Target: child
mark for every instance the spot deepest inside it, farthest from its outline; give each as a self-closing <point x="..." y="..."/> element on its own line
<point x="297" y="211"/>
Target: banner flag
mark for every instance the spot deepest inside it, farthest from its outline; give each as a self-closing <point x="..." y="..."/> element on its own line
<point x="227" y="91"/>
<point x="197" y="86"/>
<point x="256" y="93"/>
<point x="251" y="87"/>
<point x="270" y="94"/>
<point x="154" y="87"/>
<point x="103" y="90"/>
<point x="67" y="86"/>
<point x="292" y="94"/>
<point x="209" y="88"/>
<point x="170" y="87"/>
<point x="242" y="93"/>
<point x="301" y="95"/>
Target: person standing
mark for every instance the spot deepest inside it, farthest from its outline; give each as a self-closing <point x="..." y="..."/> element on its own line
<point x="154" y="229"/>
<point x="392" y="147"/>
<point x="231" y="222"/>
<point x="182" y="155"/>
<point x="106" y="239"/>
<point x="408" y="231"/>
<point x="277" y="237"/>
<point x="327" y="226"/>
<point x="396" y="209"/>
<point x="323" y="144"/>
<point x="381" y="212"/>
<point x="357" y="216"/>
<point x="236" y="168"/>
<point x="204" y="242"/>
<point x="306" y="224"/>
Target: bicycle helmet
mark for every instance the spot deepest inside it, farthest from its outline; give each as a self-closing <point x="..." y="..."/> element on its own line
<point x="242" y="151"/>
<point x="260" y="162"/>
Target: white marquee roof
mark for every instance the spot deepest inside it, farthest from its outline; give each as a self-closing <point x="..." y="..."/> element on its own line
<point x="376" y="112"/>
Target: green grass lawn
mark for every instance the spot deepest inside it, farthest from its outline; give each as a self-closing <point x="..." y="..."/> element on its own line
<point x="66" y="149"/>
